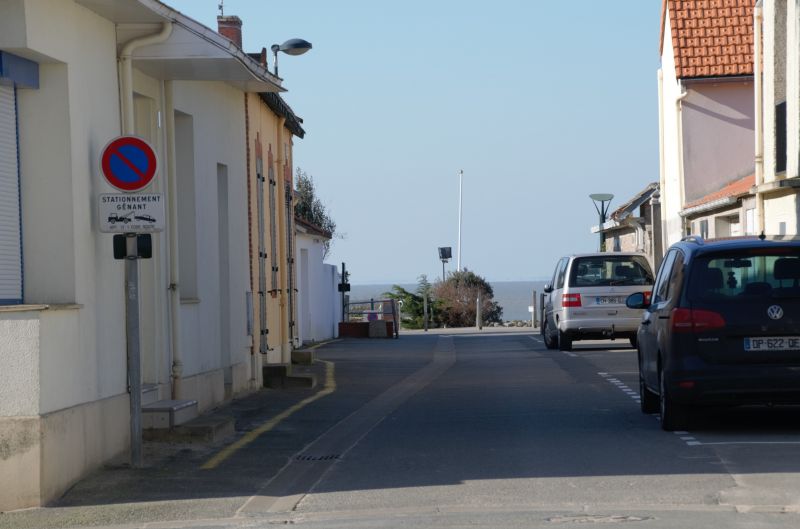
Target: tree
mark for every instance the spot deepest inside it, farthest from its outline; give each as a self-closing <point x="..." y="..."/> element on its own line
<point x="311" y="209"/>
<point x="413" y="304"/>
<point x="457" y="298"/>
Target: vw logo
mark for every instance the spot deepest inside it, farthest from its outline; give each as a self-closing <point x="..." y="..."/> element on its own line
<point x="775" y="312"/>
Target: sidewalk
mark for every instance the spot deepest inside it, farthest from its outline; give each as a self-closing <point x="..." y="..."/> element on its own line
<point x="195" y="481"/>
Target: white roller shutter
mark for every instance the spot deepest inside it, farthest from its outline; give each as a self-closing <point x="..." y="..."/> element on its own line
<point x="10" y="242"/>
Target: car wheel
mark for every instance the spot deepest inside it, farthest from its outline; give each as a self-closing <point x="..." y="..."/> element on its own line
<point x="634" y="341"/>
<point x="564" y="341"/>
<point x="549" y="342"/>
<point x="673" y="416"/>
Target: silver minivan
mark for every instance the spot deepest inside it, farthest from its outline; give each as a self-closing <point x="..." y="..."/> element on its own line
<point x="586" y="298"/>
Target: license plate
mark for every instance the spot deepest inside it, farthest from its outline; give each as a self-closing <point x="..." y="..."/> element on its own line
<point x="608" y="300"/>
<point x="772" y="343"/>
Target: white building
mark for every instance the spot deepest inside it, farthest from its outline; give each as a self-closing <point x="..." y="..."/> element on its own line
<point x="73" y="75"/>
<point x="777" y="99"/>
<point x="319" y="302"/>
<point x="706" y="119"/>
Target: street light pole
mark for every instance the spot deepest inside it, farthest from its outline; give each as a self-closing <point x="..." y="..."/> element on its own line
<point x="460" y="179"/>
<point x="605" y="200"/>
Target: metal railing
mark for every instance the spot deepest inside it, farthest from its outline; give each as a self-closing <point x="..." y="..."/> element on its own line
<point x="372" y="310"/>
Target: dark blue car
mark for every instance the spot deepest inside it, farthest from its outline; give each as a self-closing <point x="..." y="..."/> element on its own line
<point x="722" y="327"/>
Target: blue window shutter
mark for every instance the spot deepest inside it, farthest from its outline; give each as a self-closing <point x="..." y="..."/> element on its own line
<point x="10" y="225"/>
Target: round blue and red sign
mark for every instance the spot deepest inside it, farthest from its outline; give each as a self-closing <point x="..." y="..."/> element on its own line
<point x="129" y="163"/>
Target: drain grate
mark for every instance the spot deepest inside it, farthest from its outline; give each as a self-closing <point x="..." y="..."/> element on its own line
<point x="306" y="457"/>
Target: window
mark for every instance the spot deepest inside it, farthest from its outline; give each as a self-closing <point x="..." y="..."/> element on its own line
<point x="780" y="137"/>
<point x="617" y="270"/>
<point x="675" y="281"/>
<point x="750" y="221"/>
<point x="660" y="289"/>
<point x="10" y="224"/>
<point x="703" y="228"/>
<point x="187" y="215"/>
<point x="748" y="274"/>
<point x="561" y="273"/>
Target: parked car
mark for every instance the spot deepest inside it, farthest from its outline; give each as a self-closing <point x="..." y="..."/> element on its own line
<point x="722" y="327"/>
<point x="586" y="298"/>
<point x="144" y="218"/>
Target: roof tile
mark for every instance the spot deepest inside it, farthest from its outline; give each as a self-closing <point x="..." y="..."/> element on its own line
<point x="734" y="189"/>
<point x="711" y="37"/>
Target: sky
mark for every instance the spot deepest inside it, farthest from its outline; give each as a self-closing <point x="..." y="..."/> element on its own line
<point x="540" y="103"/>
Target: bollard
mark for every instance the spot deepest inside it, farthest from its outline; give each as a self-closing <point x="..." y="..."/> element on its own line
<point x="425" y="311"/>
<point x="478" y="315"/>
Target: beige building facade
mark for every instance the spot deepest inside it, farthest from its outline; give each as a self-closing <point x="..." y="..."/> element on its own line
<point x="273" y="274"/>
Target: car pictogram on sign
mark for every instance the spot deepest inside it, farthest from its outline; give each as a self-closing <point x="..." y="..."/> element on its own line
<point x="114" y="218"/>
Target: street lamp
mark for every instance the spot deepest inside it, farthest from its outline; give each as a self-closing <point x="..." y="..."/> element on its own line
<point x="604" y="199"/>
<point x="460" y="179"/>
<point x="290" y="47"/>
<point x="445" y="254"/>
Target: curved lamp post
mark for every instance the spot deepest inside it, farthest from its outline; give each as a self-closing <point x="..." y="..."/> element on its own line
<point x="605" y="200"/>
<point x="290" y="47"/>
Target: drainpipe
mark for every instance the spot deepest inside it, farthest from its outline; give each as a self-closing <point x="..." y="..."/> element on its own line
<point x="758" y="90"/>
<point x="681" y="184"/>
<point x="126" y="72"/>
<point x="661" y="169"/>
<point x="128" y="127"/>
<point x="174" y="268"/>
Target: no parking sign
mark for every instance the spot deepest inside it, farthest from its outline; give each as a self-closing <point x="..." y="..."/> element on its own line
<point x="129" y="163"/>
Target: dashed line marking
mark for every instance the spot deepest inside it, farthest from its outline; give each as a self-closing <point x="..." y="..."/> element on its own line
<point x="633" y="394"/>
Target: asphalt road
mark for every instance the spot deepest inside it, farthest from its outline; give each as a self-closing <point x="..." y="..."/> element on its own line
<point x="470" y="430"/>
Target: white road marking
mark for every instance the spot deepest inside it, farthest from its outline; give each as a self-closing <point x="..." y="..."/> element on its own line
<point x="753" y="443"/>
<point x="634" y="395"/>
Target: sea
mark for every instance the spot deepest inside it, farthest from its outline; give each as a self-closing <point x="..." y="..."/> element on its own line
<point x="514" y="296"/>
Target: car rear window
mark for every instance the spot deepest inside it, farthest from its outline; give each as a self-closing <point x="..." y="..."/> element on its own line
<point x="748" y="274"/>
<point x="612" y="270"/>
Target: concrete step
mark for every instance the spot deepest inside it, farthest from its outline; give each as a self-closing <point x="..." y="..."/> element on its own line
<point x="280" y="376"/>
<point x="206" y="428"/>
<point x="301" y="381"/>
<point x="168" y="413"/>
<point x="149" y="394"/>
<point x="303" y="356"/>
<point x="275" y="374"/>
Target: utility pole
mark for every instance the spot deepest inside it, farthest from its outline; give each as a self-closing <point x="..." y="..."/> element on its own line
<point x="460" y="179"/>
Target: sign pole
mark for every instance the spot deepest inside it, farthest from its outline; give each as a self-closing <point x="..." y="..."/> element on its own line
<point x="132" y="339"/>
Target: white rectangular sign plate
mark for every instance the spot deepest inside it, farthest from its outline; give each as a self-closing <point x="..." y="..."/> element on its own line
<point x="131" y="213"/>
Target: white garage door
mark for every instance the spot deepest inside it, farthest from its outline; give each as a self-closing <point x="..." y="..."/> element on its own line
<point x="10" y="238"/>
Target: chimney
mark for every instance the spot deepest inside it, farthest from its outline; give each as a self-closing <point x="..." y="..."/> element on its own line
<point x="230" y="27"/>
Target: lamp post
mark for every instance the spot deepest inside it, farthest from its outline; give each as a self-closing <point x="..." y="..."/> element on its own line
<point x="445" y="254"/>
<point x="604" y="199"/>
<point x="290" y="47"/>
<point x="460" y="179"/>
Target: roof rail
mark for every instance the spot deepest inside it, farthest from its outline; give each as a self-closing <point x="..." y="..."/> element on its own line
<point x="694" y="238"/>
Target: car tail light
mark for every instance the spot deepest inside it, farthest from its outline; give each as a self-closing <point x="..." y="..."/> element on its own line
<point x="571" y="300"/>
<point x="695" y="320"/>
<point x="647" y="296"/>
